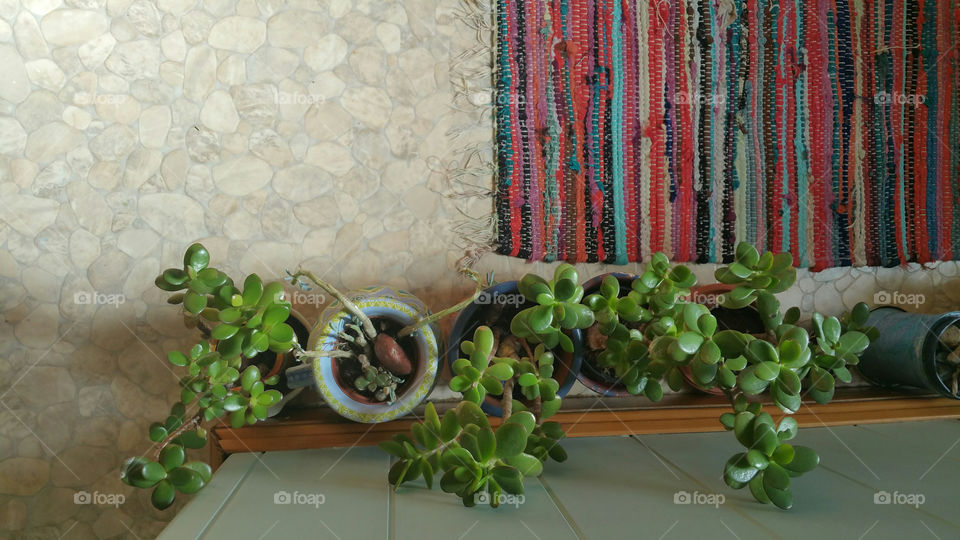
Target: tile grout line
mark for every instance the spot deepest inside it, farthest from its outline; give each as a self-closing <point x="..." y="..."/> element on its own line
<point x="738" y="511"/>
<point x="233" y="491"/>
<point x="390" y="501"/>
<point x="558" y="504"/>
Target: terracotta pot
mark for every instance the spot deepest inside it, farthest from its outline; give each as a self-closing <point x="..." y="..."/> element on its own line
<point x="398" y="306"/>
<point x="566" y="366"/>
<point x="590" y="376"/>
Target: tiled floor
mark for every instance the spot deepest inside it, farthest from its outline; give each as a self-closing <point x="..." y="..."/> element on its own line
<point x="611" y="487"/>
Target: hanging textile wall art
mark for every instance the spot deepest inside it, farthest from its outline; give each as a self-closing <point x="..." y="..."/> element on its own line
<point x="829" y="129"/>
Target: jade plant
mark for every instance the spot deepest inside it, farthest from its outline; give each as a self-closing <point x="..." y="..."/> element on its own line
<point x="236" y="325"/>
<point x="655" y="332"/>
<point x="480" y="463"/>
<point x="477" y="462"/>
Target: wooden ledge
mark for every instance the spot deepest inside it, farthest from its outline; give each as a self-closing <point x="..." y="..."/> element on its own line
<point x="585" y="417"/>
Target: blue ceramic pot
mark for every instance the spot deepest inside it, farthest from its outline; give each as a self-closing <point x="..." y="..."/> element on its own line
<point x="400" y="307"/>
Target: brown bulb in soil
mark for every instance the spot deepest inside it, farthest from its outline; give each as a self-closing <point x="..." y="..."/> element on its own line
<point x="391" y="356"/>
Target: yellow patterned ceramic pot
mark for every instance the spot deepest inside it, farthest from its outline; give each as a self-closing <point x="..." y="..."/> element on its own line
<point x="398" y="307"/>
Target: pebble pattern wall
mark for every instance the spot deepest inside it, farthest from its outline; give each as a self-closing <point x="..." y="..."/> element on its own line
<point x="275" y="133"/>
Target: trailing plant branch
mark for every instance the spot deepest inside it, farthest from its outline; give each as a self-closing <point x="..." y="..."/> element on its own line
<point x="348" y="305"/>
<point x="192" y="423"/>
<point x="237" y="325"/>
<point x="411" y="328"/>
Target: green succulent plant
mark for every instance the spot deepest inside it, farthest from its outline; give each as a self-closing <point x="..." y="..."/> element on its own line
<point x="654" y="332"/>
<point x="237" y="325"/>
<point x="472" y="456"/>
<point x="558" y="309"/>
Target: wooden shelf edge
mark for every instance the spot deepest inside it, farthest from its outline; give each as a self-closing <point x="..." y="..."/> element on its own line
<point x="298" y="433"/>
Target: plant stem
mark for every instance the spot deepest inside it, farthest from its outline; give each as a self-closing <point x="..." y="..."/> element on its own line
<point x="507" y="402"/>
<point x="526" y="347"/>
<point x="193" y="422"/>
<point x="411" y="328"/>
<point x="352" y="308"/>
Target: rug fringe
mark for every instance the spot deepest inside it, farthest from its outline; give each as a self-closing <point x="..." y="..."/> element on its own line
<point x="472" y="172"/>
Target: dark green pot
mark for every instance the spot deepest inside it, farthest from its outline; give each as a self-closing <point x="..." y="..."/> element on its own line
<point x="908" y="351"/>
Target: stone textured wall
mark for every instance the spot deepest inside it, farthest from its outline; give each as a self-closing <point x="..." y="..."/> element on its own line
<point x="274" y="132"/>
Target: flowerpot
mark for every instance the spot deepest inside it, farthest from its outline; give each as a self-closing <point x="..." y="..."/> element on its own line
<point x="389" y="308"/>
<point x="592" y="376"/>
<point x="909" y="351"/>
<point x="746" y="320"/>
<point x="495" y="308"/>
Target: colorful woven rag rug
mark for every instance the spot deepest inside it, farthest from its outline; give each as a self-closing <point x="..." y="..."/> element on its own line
<point x="829" y="129"/>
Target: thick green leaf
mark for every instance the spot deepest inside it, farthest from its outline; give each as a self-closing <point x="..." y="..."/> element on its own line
<point x="749" y="382"/>
<point x="731" y="342"/>
<point x="163" y="495"/>
<point x="193" y="302"/>
<point x="787" y="428"/>
<point x="224" y="331"/>
<point x="172" y="456"/>
<point x="743" y="428"/>
<point x="152" y="472"/>
<point x="756" y="489"/>
<point x="689" y="342"/>
<point x="500" y="371"/>
<point x="767" y="371"/>
<point x="449" y="426"/>
<point x="526" y="464"/>
<point x="509" y="479"/>
<point x="196" y="257"/>
<point x="703" y="373"/>
<point x="252" y="290"/>
<point x="488" y="443"/>
<point x="852" y="343"/>
<point x="782" y="498"/>
<point x="787" y="402"/>
<point x="805" y="459"/>
<point x="549" y="408"/>
<point x="776" y="477"/>
<point x="157" y="432"/>
<point x="757" y="459"/>
<point x="511" y="440"/>
<point x="762" y="351"/>
<point x="789" y="381"/>
<point x="471" y="413"/>
<point x="275" y="315"/>
<point x="831" y="329"/>
<point x="739" y="469"/>
<point x="783" y="454"/>
<point x="764" y="438"/>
